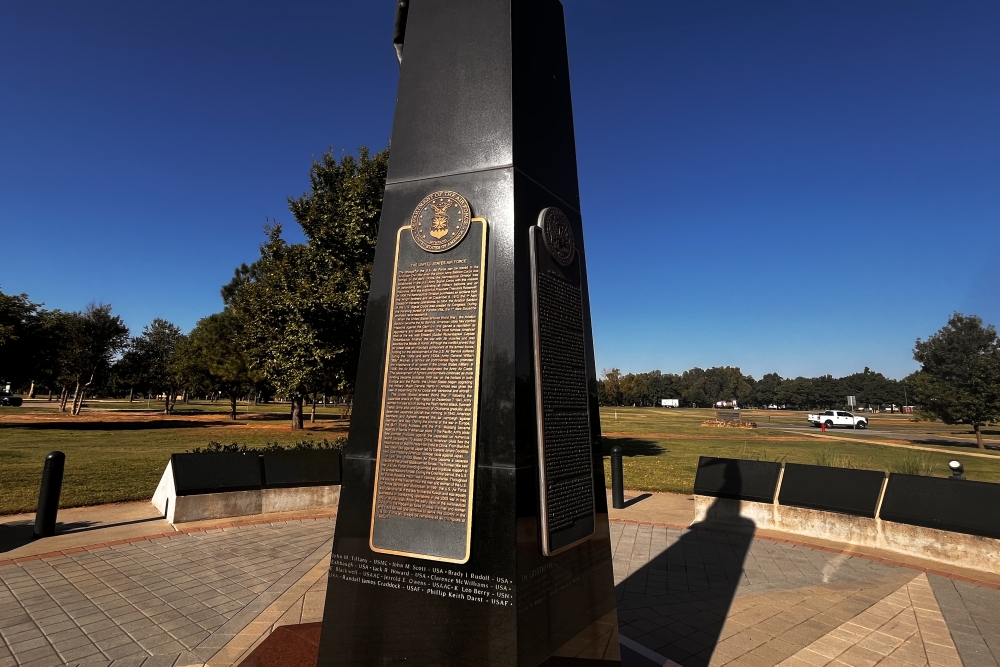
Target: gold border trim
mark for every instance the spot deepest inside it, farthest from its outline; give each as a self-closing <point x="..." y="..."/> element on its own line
<point x="534" y="232"/>
<point x="475" y="404"/>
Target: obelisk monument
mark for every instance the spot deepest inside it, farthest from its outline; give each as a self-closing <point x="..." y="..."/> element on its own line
<point x="472" y="527"/>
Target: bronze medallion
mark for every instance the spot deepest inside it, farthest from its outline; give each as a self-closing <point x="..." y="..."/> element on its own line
<point x="557" y="235"/>
<point x="440" y="221"/>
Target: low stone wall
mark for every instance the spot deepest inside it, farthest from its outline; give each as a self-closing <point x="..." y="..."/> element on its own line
<point x="971" y="551"/>
<point x="198" y="507"/>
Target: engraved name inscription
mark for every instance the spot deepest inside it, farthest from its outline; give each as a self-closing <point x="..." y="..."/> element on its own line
<point x="564" y="398"/>
<point x="427" y="425"/>
<point x="442" y="582"/>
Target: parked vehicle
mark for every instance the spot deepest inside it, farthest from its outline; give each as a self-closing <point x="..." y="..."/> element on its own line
<point x="842" y="418"/>
<point x="670" y="402"/>
<point x="11" y="400"/>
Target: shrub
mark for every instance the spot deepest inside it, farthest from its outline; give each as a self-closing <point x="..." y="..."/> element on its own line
<point x="752" y="454"/>
<point x="923" y="416"/>
<point x="834" y="459"/>
<point x="216" y="447"/>
<point x="912" y="464"/>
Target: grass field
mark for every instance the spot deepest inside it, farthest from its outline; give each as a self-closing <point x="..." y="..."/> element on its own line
<point x="115" y="454"/>
<point x="661" y="447"/>
<point x="116" y="457"/>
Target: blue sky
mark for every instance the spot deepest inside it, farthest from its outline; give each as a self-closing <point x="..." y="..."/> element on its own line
<point x="799" y="187"/>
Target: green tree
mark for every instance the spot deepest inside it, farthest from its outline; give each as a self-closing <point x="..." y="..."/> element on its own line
<point x="90" y="340"/>
<point x="610" y="387"/>
<point x="154" y="350"/>
<point x="19" y="320"/>
<point x="766" y="390"/>
<point x="130" y="372"/>
<point x="301" y="308"/>
<point x="959" y="378"/>
<point x="210" y="358"/>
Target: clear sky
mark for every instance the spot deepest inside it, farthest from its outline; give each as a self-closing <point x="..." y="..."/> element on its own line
<point x="788" y="186"/>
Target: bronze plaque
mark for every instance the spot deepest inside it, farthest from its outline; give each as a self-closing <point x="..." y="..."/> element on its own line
<point x="562" y="402"/>
<point x="425" y="468"/>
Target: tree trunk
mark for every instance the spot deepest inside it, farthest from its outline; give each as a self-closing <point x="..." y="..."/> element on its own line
<point x="312" y="417"/>
<point x="297" y="413"/>
<point x="76" y="398"/>
<point x="63" y="397"/>
<point x="979" y="437"/>
<point x="81" y="392"/>
<point x="50" y="393"/>
<point x="131" y="392"/>
<point x="185" y="396"/>
<point x="31" y="392"/>
<point x="232" y="407"/>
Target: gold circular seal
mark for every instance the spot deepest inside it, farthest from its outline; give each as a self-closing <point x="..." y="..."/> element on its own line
<point x="558" y="235"/>
<point x="441" y="221"/>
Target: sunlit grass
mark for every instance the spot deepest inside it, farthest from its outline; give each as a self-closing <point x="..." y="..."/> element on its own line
<point x="112" y="457"/>
<point x="661" y="447"/>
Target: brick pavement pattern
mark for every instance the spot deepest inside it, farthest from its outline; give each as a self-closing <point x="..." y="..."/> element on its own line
<point x="696" y="597"/>
<point x="160" y="603"/>
<point x="702" y="597"/>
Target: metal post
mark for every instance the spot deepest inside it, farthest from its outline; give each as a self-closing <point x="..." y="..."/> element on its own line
<point x="617" y="483"/>
<point x="48" y="495"/>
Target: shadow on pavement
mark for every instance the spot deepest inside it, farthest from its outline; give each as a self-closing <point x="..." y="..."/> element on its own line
<point x="637" y="499"/>
<point x="677" y="603"/>
<point x="18" y="533"/>
<point x="70" y="528"/>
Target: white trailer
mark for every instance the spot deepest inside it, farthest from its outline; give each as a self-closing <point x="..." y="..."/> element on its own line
<point x="670" y="402"/>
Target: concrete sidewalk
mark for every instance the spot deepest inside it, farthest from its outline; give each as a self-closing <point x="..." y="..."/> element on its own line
<point x="123" y="588"/>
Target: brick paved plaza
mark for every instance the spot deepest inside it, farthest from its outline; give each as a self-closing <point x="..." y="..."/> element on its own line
<point x="689" y="597"/>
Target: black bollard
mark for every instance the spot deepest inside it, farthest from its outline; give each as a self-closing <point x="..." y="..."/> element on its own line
<point x="48" y="495"/>
<point x="617" y="483"/>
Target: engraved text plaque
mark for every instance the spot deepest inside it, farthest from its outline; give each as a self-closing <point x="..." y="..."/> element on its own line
<point x="562" y="403"/>
<point x="426" y="453"/>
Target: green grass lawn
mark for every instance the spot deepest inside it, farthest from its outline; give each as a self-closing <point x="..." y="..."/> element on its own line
<point x="661" y="448"/>
<point x="115" y="457"/>
<point x="119" y="456"/>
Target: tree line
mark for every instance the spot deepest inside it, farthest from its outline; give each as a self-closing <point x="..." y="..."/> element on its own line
<point x="291" y="323"/>
<point x="703" y="388"/>
<point x="958" y="382"/>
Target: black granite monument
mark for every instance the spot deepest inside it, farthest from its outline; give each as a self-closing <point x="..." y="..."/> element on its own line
<point x="473" y="527"/>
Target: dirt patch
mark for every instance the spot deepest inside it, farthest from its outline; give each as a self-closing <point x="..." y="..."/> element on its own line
<point x="119" y="420"/>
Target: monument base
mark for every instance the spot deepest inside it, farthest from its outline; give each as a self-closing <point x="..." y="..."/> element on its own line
<point x="298" y="646"/>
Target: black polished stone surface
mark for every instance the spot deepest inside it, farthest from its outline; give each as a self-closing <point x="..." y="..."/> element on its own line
<point x="215" y="473"/>
<point x="484" y="110"/>
<point x="737" y="478"/>
<point x="307" y="467"/>
<point x="843" y="490"/>
<point x="960" y="506"/>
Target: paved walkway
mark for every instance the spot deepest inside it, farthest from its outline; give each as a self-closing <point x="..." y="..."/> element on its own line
<point x="691" y="597"/>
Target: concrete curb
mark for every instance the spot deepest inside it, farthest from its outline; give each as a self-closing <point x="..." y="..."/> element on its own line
<point x="821" y="547"/>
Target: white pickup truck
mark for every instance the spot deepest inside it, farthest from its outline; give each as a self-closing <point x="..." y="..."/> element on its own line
<point x="832" y="418"/>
